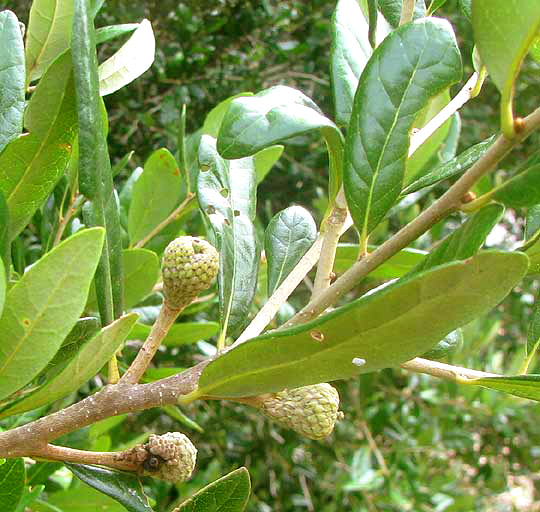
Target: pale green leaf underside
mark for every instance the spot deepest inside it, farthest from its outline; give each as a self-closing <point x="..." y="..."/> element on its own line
<point x="383" y="329"/>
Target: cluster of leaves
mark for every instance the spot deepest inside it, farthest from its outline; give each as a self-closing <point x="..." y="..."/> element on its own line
<point x="235" y="150"/>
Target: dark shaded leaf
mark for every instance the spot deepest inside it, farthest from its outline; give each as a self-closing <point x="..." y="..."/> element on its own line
<point x="123" y="487"/>
<point x="450" y="344"/>
<point x="377" y="331"/>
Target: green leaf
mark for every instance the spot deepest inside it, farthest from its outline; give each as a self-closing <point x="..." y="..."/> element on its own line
<point x="377" y="331"/>
<point x="155" y="194"/>
<point x="43" y="306"/>
<point x="524" y="386"/>
<point x="48" y="34"/>
<point x="289" y="235"/>
<point x="95" y="176"/>
<point x="230" y="493"/>
<point x="391" y="93"/>
<point x="520" y="190"/>
<point x="214" y="118"/>
<point x="450" y="344"/>
<point x="33" y="164"/>
<point x="455" y="167"/>
<point x="391" y="10"/>
<point x="503" y="32"/>
<point x="533" y="335"/>
<point x="179" y="334"/>
<point x="84" y="499"/>
<point x="466" y="240"/>
<point x="396" y="266"/>
<point x="12" y="77"/>
<point x="12" y="476"/>
<point x="88" y="362"/>
<point x="265" y="159"/>
<point x="5" y="246"/>
<point x="271" y="116"/>
<point x="83" y="330"/>
<point x="130" y="61"/>
<point x="227" y="195"/>
<point x="109" y="32"/>
<point x="125" y="488"/>
<point x="141" y="273"/>
<point x="3" y="283"/>
<point x="532" y="234"/>
<point x="350" y="52"/>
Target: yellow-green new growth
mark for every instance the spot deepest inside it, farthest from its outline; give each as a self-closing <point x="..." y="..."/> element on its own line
<point x="189" y="266"/>
<point x="312" y="411"/>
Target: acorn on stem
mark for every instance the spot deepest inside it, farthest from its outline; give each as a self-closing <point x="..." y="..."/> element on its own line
<point x="190" y="265"/>
<point x="312" y="411"/>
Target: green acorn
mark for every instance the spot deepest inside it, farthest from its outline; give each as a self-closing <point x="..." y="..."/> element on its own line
<point x="312" y="411"/>
<point x="170" y="457"/>
<point x="189" y="266"/>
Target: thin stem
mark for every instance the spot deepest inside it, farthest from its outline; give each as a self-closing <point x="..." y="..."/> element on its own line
<point x="407" y="11"/>
<point x="280" y="296"/>
<point x="164" y="223"/>
<point x="75" y="205"/>
<point x="462" y="97"/>
<point x="444" y="371"/>
<point x="116" y="460"/>
<point x="331" y="235"/>
<point x="450" y="200"/>
<point x="163" y="323"/>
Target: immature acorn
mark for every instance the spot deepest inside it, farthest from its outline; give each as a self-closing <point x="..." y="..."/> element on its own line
<point x="312" y="411"/>
<point x="189" y="266"/>
<point x="170" y="457"/>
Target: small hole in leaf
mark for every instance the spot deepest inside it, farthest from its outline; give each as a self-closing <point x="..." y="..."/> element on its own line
<point x="210" y="210"/>
<point x="236" y="213"/>
<point x="224" y="192"/>
<point x="205" y="168"/>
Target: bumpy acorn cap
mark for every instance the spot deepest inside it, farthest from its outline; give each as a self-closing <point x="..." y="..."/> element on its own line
<point x="312" y="411"/>
<point x="170" y="457"/>
<point x="189" y="266"/>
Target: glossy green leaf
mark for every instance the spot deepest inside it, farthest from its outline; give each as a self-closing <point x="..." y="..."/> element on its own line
<point x="271" y="116"/>
<point x="48" y="34"/>
<point x="391" y="93"/>
<point x="130" y="61"/>
<point x="524" y="386"/>
<point x="434" y="5"/>
<point x="95" y="176"/>
<point x="350" y="52"/>
<point x="503" y="32"/>
<point x="5" y="246"/>
<point x="88" y="361"/>
<point x="12" y="77"/>
<point x="289" y="235"/>
<point x="396" y="266"/>
<point x="109" y="32"/>
<point x="451" y="343"/>
<point x="124" y="487"/>
<point x="84" y="499"/>
<point x="141" y="273"/>
<point x="33" y="164"/>
<point x="180" y="333"/>
<point x="126" y="195"/>
<point x="12" y="476"/>
<point x="455" y="167"/>
<point x="265" y="159"/>
<point x="227" y="194"/>
<point x="230" y="493"/>
<point x="520" y="190"/>
<point x="533" y="335"/>
<point x="532" y="234"/>
<point x="420" y="158"/>
<point x="391" y="10"/>
<point x="377" y="331"/>
<point x="119" y="166"/>
<point x="466" y="240"/>
<point x="214" y="118"/>
<point x="43" y="306"/>
<point x="155" y="194"/>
